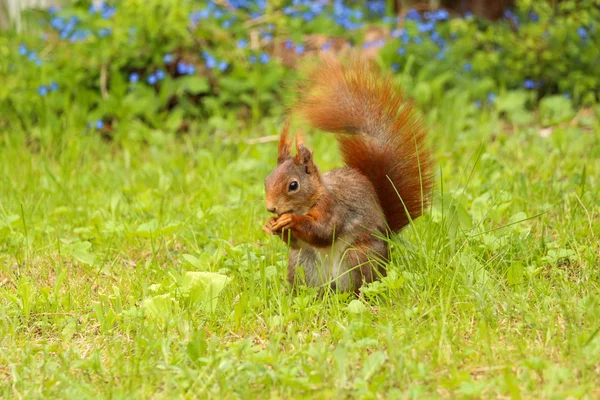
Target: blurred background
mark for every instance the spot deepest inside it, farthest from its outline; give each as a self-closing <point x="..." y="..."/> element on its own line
<point x="121" y="67"/>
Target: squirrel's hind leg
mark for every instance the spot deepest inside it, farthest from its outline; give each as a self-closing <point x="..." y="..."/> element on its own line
<point x="366" y="262"/>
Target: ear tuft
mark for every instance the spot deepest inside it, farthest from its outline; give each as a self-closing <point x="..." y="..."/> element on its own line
<point x="283" y="150"/>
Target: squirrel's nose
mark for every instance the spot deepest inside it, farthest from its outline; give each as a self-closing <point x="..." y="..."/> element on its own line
<point x="272" y="210"/>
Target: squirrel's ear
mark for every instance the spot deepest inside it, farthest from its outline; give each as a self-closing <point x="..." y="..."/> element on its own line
<point x="304" y="157"/>
<point x="283" y="151"/>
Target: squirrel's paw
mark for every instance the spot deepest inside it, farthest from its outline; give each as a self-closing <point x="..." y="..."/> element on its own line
<point x="268" y="226"/>
<point x="285" y="221"/>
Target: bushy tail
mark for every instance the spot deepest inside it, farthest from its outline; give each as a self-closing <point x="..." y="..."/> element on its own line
<point x="384" y="140"/>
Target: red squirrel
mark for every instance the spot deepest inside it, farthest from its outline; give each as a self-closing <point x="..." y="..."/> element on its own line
<point x="336" y="222"/>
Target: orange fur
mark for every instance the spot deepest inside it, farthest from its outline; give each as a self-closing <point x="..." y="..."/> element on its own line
<point x="378" y="133"/>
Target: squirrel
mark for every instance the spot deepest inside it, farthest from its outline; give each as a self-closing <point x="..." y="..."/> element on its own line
<point x="337" y="222"/>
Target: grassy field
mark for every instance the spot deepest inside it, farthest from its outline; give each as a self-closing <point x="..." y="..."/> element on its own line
<point x="493" y="294"/>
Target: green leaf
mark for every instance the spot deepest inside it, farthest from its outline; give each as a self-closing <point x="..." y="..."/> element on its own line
<point x="80" y="251"/>
<point x="202" y="289"/>
<point x="372" y="364"/>
<point x="193" y="84"/>
<point x="356" y="307"/>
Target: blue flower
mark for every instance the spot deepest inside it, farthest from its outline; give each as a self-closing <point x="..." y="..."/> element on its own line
<point x="99" y="124"/>
<point x="264" y="58"/>
<point x="533" y="16"/>
<point x="218" y="14"/>
<point x="108" y="12"/>
<point x="478" y="103"/>
<point x="582" y="32"/>
<point x="441" y="55"/>
<point x="210" y="62"/>
<point x="300" y="49"/>
<point x="401" y="51"/>
<point x="104" y="32"/>
<point x="326" y="46"/>
<point x="191" y="69"/>
<point x="441" y="15"/>
<point x="134" y="77"/>
<point x="22" y="50"/>
<point x="160" y="74"/>
<point x="168" y="58"/>
<point x="32" y="56"/>
<point x="468" y="67"/>
<point x="418" y="39"/>
<point x="395" y="67"/>
<point x="308" y="16"/>
<point x="468" y="15"/>
<point x="289" y="44"/>
<point x="242" y="43"/>
<point x="53" y="86"/>
<point x="182" y="68"/>
<point x="152" y="79"/>
<point x="267" y="36"/>
<point x="132" y="30"/>
<point x="529" y="84"/>
<point x="567" y="95"/>
<point x="42" y="90"/>
<point x="425" y="26"/>
<point x="38" y="62"/>
<point x="491" y="97"/>
<point x="413" y="15"/>
<point x="223" y="65"/>
<point x="226" y="24"/>
<point x="252" y="59"/>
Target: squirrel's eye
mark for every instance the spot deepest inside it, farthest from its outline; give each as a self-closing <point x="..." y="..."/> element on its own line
<point x="293" y="186"/>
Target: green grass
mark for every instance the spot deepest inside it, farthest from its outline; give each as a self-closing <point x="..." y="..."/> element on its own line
<point x="493" y="294"/>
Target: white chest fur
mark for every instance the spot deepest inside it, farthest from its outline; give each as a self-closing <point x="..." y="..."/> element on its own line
<point x="332" y="267"/>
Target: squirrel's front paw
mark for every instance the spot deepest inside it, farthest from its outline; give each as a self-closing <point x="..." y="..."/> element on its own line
<point x="268" y="226"/>
<point x="284" y="222"/>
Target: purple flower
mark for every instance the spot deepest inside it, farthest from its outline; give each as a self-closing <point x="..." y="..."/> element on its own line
<point x="152" y="79"/>
<point x="168" y="58"/>
<point x="134" y="77"/>
<point x="289" y="44"/>
<point x="242" y="43"/>
<point x="42" y="90"/>
<point x="326" y="46"/>
<point x="300" y="49"/>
